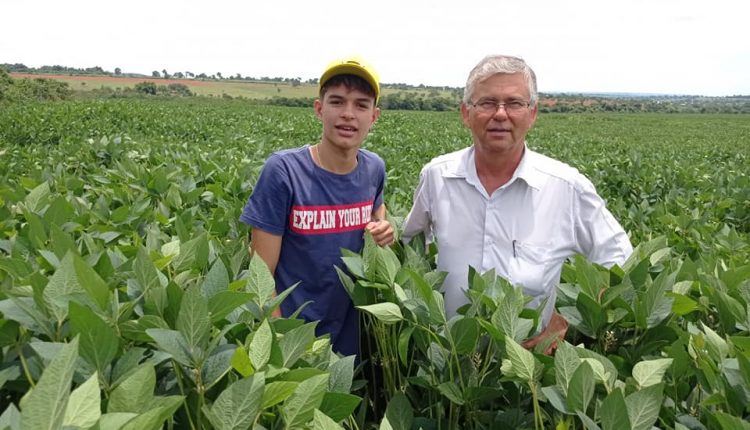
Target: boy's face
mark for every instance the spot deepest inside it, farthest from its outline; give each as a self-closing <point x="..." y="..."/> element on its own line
<point x="347" y="116"/>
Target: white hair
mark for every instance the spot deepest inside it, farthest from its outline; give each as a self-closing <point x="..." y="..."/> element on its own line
<point x="500" y="64"/>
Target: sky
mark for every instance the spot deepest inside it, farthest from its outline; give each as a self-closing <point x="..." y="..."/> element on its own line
<point x="694" y="47"/>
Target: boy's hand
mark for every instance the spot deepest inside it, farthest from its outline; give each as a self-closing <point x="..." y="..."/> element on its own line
<point x="382" y="232"/>
<point x="555" y="331"/>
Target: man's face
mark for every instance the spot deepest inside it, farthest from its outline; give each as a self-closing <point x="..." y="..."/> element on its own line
<point x="501" y="132"/>
<point x="347" y="116"/>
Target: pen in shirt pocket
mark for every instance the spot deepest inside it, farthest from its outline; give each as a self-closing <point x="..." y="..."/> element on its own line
<point x="514" y="248"/>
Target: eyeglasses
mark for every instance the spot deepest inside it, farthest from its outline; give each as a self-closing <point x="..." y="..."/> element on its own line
<point x="490" y="107"/>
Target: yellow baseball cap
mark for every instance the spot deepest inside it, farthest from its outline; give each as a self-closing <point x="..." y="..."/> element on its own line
<point x="352" y="66"/>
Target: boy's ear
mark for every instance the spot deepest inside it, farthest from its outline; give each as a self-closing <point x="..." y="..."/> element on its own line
<point x="317" y="107"/>
<point x="375" y="114"/>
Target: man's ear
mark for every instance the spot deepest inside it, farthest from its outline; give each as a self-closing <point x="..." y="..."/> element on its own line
<point x="465" y="114"/>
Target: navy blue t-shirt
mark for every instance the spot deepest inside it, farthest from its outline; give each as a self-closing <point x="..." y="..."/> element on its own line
<point x="317" y="213"/>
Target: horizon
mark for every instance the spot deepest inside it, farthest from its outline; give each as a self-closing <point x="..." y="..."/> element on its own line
<point x="600" y="93"/>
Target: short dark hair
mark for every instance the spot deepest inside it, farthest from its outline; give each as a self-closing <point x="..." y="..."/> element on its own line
<point x="352" y="82"/>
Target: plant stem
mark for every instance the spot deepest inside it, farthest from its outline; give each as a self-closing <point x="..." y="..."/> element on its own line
<point x="180" y="374"/>
<point x="25" y="366"/>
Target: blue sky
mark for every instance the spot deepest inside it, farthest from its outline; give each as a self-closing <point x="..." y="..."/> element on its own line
<point x="656" y="46"/>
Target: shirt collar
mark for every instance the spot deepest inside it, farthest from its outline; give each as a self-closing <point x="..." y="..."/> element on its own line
<point x="467" y="169"/>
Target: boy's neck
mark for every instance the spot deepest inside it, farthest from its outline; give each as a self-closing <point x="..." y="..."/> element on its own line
<point x="333" y="159"/>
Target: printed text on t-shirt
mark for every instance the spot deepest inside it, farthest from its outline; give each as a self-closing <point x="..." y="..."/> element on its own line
<point x="330" y="218"/>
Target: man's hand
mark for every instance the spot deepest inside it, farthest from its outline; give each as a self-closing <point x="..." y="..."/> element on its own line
<point x="555" y="331"/>
<point x="382" y="232"/>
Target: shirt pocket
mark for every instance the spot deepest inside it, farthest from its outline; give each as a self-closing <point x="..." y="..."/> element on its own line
<point x="528" y="266"/>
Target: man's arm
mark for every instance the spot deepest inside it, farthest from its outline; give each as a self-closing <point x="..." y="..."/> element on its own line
<point x="380" y="228"/>
<point x="268" y="247"/>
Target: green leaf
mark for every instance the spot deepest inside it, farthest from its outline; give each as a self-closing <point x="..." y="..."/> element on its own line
<point x="298" y="408"/>
<point x="399" y="414"/>
<point x="24" y="311"/>
<point x="590" y="278"/>
<point x="114" y="421"/>
<point x="322" y="421"/>
<point x="145" y="271"/>
<point x="555" y="396"/>
<point x="154" y="418"/>
<point x="237" y="407"/>
<point x="37" y="234"/>
<point x="193" y="320"/>
<point x="241" y="362"/>
<point x="465" y="334"/>
<point x="277" y="392"/>
<point x="260" y="281"/>
<point x="295" y="342"/>
<point x="339" y="406"/>
<point x="61" y="242"/>
<point x="452" y="392"/>
<point x="84" y="407"/>
<point x="654" y="305"/>
<point x="386" y="312"/>
<point x="15" y="267"/>
<point x="75" y="280"/>
<point x="10" y="418"/>
<point x="193" y="254"/>
<point x="225" y="302"/>
<point x="260" y="346"/>
<point x="380" y="263"/>
<point x="566" y="363"/>
<point x="404" y="338"/>
<point x="217" y="364"/>
<point x="521" y="364"/>
<point x="644" y="406"/>
<point x="581" y="388"/>
<point x="717" y="346"/>
<point x="135" y="393"/>
<point x="614" y="412"/>
<point x="37" y="198"/>
<point x="342" y="373"/>
<point x="46" y="403"/>
<point x="217" y="280"/>
<point x="98" y="341"/>
<point x="593" y="315"/>
<point x="730" y="422"/>
<point x="650" y="372"/>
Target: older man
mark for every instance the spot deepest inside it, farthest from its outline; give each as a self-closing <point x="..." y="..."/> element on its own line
<point x="499" y="205"/>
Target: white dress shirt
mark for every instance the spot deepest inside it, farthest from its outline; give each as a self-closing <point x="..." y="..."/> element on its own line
<point x="525" y="230"/>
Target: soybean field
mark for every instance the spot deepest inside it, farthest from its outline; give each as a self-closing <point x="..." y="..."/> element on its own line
<point x="128" y="299"/>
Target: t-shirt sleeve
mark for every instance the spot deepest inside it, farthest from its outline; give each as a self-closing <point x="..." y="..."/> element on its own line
<point x="269" y="204"/>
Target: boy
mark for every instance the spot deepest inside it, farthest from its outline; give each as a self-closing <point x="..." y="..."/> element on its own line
<point x="312" y="201"/>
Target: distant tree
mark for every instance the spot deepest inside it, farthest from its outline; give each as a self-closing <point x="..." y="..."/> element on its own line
<point x="165" y="74"/>
<point x="155" y="74"/>
<point x="118" y="71"/>
<point x="219" y="75"/>
<point x="178" y="75"/>
<point x="146" y="87"/>
<point x="202" y="76"/>
<point x="189" y="74"/>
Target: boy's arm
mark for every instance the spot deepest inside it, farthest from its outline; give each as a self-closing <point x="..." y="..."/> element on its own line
<point x="381" y="229"/>
<point x="268" y="247"/>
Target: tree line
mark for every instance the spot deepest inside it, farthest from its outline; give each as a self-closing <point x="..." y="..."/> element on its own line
<point x="404" y="97"/>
